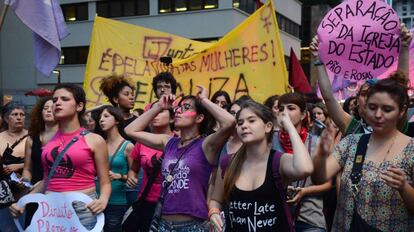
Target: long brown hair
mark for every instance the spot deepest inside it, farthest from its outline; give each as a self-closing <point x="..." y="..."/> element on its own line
<point x="37" y="124"/>
<point x="233" y="169"/>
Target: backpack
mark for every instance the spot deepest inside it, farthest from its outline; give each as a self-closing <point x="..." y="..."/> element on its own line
<point x="276" y="178"/>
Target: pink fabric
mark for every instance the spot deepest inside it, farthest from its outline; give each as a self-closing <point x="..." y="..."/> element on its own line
<point x="143" y="154"/>
<point x="76" y="170"/>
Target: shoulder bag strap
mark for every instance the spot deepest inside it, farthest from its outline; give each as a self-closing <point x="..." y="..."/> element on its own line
<point x="116" y="151"/>
<point x="59" y="158"/>
<point x="18" y="141"/>
<point x="360" y="153"/>
<point x="155" y="171"/>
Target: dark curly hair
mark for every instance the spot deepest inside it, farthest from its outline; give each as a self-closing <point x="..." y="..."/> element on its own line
<point x="78" y="94"/>
<point x="37" y="124"/>
<point x="166" y="77"/>
<point x="111" y="86"/>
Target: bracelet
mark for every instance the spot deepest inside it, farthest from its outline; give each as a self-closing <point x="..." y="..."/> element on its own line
<point x="213" y="211"/>
<point x="317" y="63"/>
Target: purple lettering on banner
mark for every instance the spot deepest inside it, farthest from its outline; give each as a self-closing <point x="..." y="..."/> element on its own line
<point x="359" y="39"/>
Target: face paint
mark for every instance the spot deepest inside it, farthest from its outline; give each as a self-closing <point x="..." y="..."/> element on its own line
<point x="189" y="113"/>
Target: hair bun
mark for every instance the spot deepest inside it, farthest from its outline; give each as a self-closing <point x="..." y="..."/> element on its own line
<point x="400" y="78"/>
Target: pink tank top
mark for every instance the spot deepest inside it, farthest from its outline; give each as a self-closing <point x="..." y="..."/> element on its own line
<point x="76" y="170"/>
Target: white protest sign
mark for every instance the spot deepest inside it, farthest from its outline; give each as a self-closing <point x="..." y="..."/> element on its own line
<point x="56" y="213"/>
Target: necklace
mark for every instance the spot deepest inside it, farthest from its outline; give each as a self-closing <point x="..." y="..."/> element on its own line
<point x="182" y="141"/>
<point x="389" y="148"/>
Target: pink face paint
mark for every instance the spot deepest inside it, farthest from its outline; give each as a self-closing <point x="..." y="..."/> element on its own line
<point x="189" y="114"/>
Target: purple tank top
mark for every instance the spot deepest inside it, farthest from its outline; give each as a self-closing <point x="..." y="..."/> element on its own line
<point x="187" y="193"/>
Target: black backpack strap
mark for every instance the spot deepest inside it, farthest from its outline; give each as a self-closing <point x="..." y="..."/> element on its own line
<point x="224" y="163"/>
<point x="280" y="188"/>
<point x="360" y="154"/>
<point x="156" y="169"/>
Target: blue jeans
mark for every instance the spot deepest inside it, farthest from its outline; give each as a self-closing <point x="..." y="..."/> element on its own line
<point x="7" y="222"/>
<point x="185" y="226"/>
<point x="86" y="217"/>
<point x="305" y="227"/>
<point x="113" y="217"/>
<point x="132" y="193"/>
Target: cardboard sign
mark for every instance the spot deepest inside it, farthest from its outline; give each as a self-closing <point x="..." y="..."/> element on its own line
<point x="249" y="60"/>
<point x="56" y="213"/>
<point x="359" y="40"/>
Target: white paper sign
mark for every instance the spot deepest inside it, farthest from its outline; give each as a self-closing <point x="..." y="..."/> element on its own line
<point x="56" y="213"/>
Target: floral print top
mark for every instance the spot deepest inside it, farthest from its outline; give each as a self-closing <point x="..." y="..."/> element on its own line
<point x="377" y="203"/>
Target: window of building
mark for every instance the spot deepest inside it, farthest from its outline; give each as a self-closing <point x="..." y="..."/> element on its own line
<point x="122" y="8"/>
<point x="75" y="12"/>
<point x="248" y="6"/>
<point x="168" y="6"/>
<point x="74" y="55"/>
<point x="288" y="25"/>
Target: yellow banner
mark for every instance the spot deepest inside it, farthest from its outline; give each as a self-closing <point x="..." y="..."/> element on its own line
<point x="247" y="61"/>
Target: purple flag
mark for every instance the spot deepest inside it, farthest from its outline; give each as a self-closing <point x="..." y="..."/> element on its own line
<point x="45" y="19"/>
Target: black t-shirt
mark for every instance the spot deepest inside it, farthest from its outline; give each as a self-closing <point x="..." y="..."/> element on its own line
<point x="257" y="210"/>
<point x="125" y="124"/>
<point x="37" y="168"/>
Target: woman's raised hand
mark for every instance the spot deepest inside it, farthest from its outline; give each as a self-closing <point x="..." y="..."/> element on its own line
<point x="405" y="35"/>
<point x="284" y="121"/>
<point x="166" y="102"/>
<point x="202" y="92"/>
<point x="314" y="47"/>
<point x="327" y="138"/>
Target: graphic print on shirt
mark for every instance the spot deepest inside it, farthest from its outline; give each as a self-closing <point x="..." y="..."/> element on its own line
<point x="180" y="175"/>
<point x="65" y="166"/>
<point x="256" y="216"/>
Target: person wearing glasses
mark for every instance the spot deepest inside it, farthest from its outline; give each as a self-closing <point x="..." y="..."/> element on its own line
<point x="188" y="159"/>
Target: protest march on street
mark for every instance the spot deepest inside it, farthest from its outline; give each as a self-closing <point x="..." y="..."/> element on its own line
<point x="250" y="130"/>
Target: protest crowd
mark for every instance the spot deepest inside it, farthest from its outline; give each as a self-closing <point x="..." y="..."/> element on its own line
<point x="192" y="163"/>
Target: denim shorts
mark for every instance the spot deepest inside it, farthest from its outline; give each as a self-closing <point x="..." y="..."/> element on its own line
<point x="305" y="227"/>
<point x="113" y="217"/>
<point x="184" y="226"/>
<point x="86" y="217"/>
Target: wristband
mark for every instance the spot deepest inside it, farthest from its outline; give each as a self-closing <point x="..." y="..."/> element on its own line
<point x="213" y="211"/>
<point x="317" y="63"/>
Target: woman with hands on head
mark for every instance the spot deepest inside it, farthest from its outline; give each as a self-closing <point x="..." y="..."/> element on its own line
<point x="188" y="159"/>
<point x="148" y="159"/>
<point x="347" y="123"/>
<point x="383" y="198"/>
<point x="247" y="181"/>
<point x="85" y="160"/>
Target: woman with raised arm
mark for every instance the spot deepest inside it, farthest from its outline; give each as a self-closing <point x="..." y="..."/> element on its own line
<point x="347" y="123"/>
<point x="376" y="192"/>
<point x="83" y="161"/>
<point x="148" y="159"/>
<point x="188" y="159"/>
<point x="247" y="189"/>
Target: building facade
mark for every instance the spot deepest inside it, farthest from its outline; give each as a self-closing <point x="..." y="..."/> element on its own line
<point x="205" y="20"/>
<point x="405" y="9"/>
